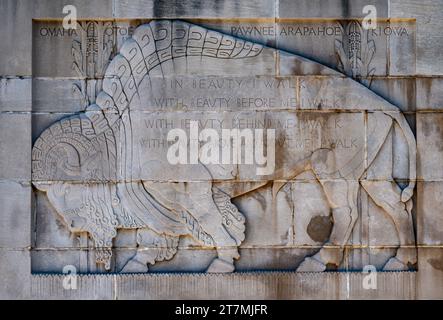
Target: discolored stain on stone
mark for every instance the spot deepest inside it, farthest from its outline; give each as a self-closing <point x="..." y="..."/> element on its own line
<point x="319" y="228"/>
<point x="436" y="263"/>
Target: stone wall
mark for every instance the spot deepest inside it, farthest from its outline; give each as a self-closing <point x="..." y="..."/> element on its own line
<point x="299" y="74"/>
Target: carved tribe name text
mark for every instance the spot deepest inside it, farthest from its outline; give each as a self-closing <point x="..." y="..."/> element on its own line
<point x="242" y="30"/>
<point x="308" y="31"/>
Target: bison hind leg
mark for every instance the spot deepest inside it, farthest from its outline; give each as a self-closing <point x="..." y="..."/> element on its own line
<point x="153" y="247"/>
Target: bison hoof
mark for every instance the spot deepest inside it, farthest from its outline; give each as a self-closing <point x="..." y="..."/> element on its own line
<point x="311" y="265"/>
<point x="394" y="264"/>
<point x="220" y="266"/>
<point x="134" y="266"/>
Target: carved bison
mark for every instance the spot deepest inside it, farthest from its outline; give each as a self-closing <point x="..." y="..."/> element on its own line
<point x="87" y="163"/>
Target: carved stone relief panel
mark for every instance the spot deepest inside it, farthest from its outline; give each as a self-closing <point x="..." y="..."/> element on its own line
<point x="328" y="181"/>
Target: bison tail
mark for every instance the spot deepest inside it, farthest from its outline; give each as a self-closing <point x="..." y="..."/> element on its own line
<point x="412" y="148"/>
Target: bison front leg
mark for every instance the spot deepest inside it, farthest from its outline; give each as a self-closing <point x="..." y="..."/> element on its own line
<point x="152" y="247"/>
<point x="342" y="196"/>
<point x="221" y="221"/>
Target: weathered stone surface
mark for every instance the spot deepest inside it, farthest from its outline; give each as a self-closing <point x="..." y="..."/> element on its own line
<point x="15" y="94"/>
<point x="194" y="9"/>
<point x="429" y="220"/>
<point x="15" y="143"/>
<point x="429" y="93"/>
<point x="53" y="261"/>
<point x="59" y="95"/>
<point x="401" y="92"/>
<point x="430" y="277"/>
<point x="51" y="230"/>
<point x="356" y="129"/>
<point x="290" y="65"/>
<point x="429" y="38"/>
<point x="402" y="48"/>
<point x="101" y="172"/>
<point x="16" y="36"/>
<point x="16" y="264"/>
<point x="429" y="146"/>
<point x="329" y="9"/>
<point x="85" y="8"/>
<point x="15" y="220"/>
<point x="17" y="30"/>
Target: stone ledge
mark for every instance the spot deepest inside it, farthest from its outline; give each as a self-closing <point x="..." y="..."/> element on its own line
<point x="247" y="285"/>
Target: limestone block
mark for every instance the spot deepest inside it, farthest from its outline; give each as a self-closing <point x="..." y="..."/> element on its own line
<point x="402" y="48"/>
<point x="194" y="8"/>
<point x="15" y="220"/>
<point x="16" y="37"/>
<point x="15" y="94"/>
<point x="15" y="143"/>
<point x="329" y="9"/>
<point x="15" y="267"/>
<point x="429" y="218"/>
<point x="429" y="38"/>
<point x="53" y="261"/>
<point x="430" y="275"/>
<point x="429" y="93"/>
<point x="429" y="146"/>
<point x="50" y="228"/>
<point x="52" y="50"/>
<point x="56" y="95"/>
<point x="85" y="8"/>
<point x="291" y="65"/>
<point x="401" y="92"/>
